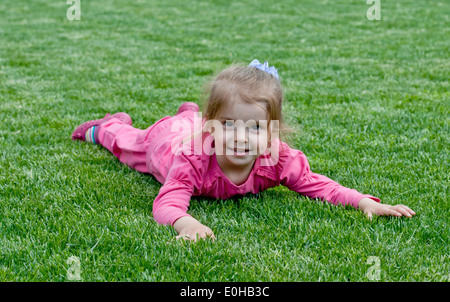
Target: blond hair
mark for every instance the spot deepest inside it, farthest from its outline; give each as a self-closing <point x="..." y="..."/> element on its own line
<point x="248" y="84"/>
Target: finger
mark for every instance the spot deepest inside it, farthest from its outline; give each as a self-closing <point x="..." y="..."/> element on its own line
<point x="204" y="235"/>
<point x="369" y="215"/>
<point x="402" y="211"/>
<point x="176" y="238"/>
<point x="183" y="236"/>
<point x="392" y="212"/>
<point x="196" y="237"/>
<point x="211" y="236"/>
<point x="209" y="233"/>
<point x="408" y="209"/>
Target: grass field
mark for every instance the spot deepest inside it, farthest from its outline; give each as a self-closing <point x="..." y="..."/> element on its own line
<point x="370" y="101"/>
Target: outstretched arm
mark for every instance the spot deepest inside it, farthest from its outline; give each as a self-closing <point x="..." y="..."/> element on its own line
<point x="170" y="207"/>
<point x="297" y="176"/>
<point x="184" y="179"/>
<point x="371" y="207"/>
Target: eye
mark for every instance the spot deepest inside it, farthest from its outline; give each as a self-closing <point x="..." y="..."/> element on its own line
<point x="228" y="124"/>
<point x="255" y="128"/>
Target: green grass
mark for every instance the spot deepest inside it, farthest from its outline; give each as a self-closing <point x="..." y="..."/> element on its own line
<point x="369" y="98"/>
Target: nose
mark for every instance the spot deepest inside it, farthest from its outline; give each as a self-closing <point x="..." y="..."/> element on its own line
<point x="240" y="137"/>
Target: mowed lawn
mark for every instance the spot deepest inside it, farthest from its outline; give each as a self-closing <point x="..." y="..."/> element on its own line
<point x="369" y="100"/>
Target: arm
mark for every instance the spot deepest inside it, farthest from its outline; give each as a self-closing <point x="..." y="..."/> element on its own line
<point x="327" y="189"/>
<point x="319" y="186"/>
<point x="170" y="207"/>
<point x="295" y="174"/>
<point x="185" y="177"/>
<point x="172" y="202"/>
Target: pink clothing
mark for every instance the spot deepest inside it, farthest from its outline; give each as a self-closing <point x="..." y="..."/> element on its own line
<point x="191" y="173"/>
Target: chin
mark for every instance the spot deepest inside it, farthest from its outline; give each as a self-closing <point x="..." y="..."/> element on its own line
<point x="244" y="160"/>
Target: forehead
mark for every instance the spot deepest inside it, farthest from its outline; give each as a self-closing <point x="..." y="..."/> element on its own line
<point x="239" y="110"/>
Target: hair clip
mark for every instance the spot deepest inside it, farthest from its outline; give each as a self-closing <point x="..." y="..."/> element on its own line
<point x="264" y="67"/>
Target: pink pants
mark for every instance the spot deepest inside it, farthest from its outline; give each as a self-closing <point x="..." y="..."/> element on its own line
<point x="121" y="139"/>
<point x="130" y="144"/>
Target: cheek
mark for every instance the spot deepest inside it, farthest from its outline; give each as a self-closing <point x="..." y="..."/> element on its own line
<point x="262" y="142"/>
<point x="261" y="137"/>
<point x="224" y="139"/>
<point x="219" y="135"/>
<point x="228" y="136"/>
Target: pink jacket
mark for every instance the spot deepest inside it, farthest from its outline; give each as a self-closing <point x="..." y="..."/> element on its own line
<point x="192" y="173"/>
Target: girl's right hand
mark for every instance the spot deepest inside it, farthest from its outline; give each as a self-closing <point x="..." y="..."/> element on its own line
<point x="189" y="228"/>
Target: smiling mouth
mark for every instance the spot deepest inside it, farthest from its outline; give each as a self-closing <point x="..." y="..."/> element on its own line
<point x="240" y="152"/>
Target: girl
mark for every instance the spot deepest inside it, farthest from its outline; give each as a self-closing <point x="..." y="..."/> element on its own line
<point x="234" y="149"/>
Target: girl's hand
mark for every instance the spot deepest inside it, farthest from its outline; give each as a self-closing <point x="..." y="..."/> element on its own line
<point x="370" y="207"/>
<point x="189" y="228"/>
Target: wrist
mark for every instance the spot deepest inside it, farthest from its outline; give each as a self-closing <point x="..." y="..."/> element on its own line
<point x="364" y="202"/>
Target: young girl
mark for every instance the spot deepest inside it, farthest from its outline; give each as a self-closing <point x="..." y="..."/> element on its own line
<point x="232" y="150"/>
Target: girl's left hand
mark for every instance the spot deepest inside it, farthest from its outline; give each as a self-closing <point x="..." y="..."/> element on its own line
<point x="371" y="207"/>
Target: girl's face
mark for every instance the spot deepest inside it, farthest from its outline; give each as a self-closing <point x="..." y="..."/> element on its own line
<point x="243" y="135"/>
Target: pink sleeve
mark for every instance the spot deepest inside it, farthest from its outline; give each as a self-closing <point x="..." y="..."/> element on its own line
<point x="184" y="176"/>
<point x="296" y="175"/>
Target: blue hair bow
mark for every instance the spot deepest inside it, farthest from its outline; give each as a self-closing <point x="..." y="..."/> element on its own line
<point x="265" y="67"/>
